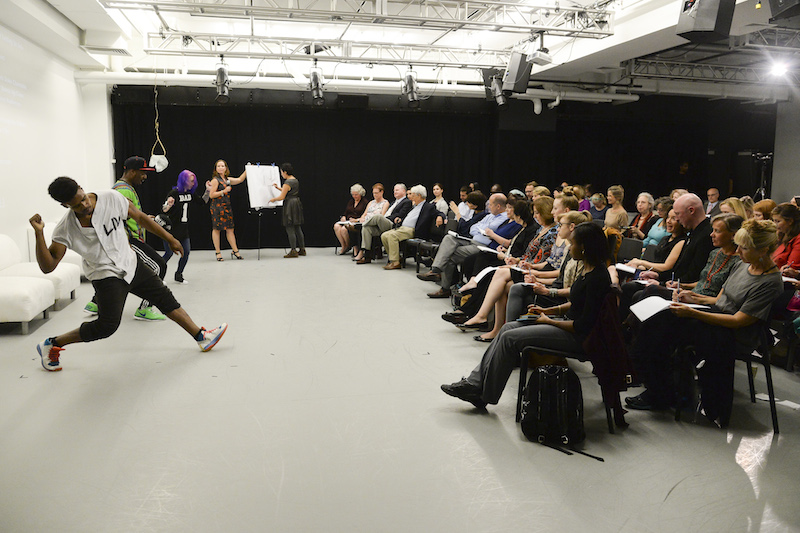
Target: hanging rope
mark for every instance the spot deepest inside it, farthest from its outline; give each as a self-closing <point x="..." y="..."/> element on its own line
<point x="158" y="138"/>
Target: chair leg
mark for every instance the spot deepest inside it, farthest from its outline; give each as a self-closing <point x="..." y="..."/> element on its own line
<point x="790" y="354"/>
<point x="750" y="381"/>
<point x="523" y="373"/>
<point x="771" y="393"/>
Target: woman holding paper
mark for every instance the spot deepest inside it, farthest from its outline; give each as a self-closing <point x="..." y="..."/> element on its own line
<point x="292" y="211"/>
<point x="355" y="208"/>
<point x="732" y="325"/>
<point x="668" y="250"/>
<point x="219" y="190"/>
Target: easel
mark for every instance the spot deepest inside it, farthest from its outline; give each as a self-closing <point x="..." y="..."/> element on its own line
<point x="260" y="212"/>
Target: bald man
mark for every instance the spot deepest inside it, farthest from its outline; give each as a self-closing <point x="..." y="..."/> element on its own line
<point x="712" y="205"/>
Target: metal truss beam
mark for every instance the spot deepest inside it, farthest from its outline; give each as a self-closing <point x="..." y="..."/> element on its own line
<point x="654" y="69"/>
<point x="205" y="45"/>
<point x="443" y="15"/>
<point x="771" y="39"/>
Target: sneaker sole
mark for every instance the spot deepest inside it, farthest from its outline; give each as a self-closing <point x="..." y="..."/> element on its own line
<point x="145" y="319"/>
<point x="44" y="365"/>
<point x="90" y="313"/>
<point x="215" y="341"/>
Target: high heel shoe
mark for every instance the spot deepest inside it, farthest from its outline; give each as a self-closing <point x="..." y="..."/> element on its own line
<point x="219" y="256"/>
<point x="235" y="255"/>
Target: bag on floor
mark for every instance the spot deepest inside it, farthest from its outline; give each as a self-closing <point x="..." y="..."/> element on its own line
<point x="552" y="407"/>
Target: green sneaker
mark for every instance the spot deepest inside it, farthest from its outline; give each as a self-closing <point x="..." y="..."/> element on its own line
<point x="148" y="313"/>
<point x="90" y="309"/>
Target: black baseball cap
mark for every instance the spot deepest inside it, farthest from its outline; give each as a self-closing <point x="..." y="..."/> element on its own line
<point x="137" y="163"/>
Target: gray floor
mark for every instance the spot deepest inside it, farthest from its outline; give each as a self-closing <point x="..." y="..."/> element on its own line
<point x="320" y="410"/>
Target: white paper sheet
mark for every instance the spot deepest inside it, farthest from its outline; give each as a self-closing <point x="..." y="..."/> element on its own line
<point x="260" y="185"/>
<point x="655" y="304"/>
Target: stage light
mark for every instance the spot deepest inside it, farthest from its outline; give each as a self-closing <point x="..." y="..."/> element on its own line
<point x="409" y="87"/>
<point x="315" y="82"/>
<point x="497" y="92"/>
<point x="222" y="82"/>
<point x="778" y="69"/>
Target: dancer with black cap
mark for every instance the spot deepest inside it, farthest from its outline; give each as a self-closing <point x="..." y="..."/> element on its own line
<point x="93" y="227"/>
<point x="135" y="174"/>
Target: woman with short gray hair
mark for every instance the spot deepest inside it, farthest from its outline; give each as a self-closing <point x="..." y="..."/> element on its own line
<point x="644" y="218"/>
<point x="349" y="220"/>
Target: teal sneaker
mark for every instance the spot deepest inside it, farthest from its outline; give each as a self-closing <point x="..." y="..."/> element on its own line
<point x="90" y="309"/>
<point x="148" y="313"/>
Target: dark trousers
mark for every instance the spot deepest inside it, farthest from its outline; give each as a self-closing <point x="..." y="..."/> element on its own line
<point x="147" y="255"/>
<point x="111" y="293"/>
<point x="296" y="237"/>
<point x="187" y="247"/>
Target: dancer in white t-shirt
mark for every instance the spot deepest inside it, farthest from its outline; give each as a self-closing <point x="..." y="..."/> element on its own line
<point x="94" y="227"/>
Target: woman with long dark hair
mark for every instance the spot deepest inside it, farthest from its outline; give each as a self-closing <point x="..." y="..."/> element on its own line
<point x="487" y="381"/>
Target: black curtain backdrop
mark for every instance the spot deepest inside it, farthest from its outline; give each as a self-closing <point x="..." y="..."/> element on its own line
<point x="639" y="146"/>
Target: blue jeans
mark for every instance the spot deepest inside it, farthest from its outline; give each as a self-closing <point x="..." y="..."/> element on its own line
<point x="182" y="261"/>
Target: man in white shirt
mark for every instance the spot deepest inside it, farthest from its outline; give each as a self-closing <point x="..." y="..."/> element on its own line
<point x="453" y="250"/>
<point x="712" y="205"/>
<point x="94" y="227"/>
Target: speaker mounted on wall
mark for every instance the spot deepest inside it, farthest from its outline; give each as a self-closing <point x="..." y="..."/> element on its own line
<point x="705" y="21"/>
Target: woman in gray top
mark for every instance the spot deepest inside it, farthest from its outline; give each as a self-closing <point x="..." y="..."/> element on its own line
<point x="731" y="326"/>
<point x="292" y="211"/>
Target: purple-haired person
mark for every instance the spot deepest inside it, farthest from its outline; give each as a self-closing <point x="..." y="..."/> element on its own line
<point x="176" y="208"/>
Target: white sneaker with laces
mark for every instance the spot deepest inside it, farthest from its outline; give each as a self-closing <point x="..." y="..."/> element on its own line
<point x="211" y="337"/>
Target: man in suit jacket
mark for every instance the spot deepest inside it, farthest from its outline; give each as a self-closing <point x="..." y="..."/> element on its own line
<point x="712" y="205"/>
<point x="417" y="222"/>
<point x="377" y="225"/>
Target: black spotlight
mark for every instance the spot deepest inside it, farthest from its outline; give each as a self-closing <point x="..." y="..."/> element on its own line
<point x="497" y="92"/>
<point x="315" y="82"/>
<point x="222" y="83"/>
<point x="410" y="88"/>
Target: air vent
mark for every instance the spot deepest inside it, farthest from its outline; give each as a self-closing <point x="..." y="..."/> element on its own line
<point x="106" y="50"/>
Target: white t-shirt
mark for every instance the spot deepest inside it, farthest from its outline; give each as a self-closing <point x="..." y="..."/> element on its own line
<point x="104" y="247"/>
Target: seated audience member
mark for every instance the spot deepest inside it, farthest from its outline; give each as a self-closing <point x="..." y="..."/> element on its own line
<point x="645" y="218"/>
<point x="599" y="206"/>
<point x="566" y="202"/>
<point x="516" y="194"/>
<point x="538" y="251"/>
<point x="667" y="251"/>
<point x="677" y="193"/>
<point x="529" y="190"/>
<point x="519" y="211"/>
<point x="376" y="207"/>
<point x="658" y="230"/>
<point x="497" y="294"/>
<point x="376" y="226"/>
<point x="473" y="186"/>
<point x="417" y="222"/>
<point x="712" y="205"/>
<point x="453" y="250"/>
<point x="486" y="382"/>
<point x="763" y="210"/>
<point x="540" y="190"/>
<point x="438" y="201"/>
<point x="731" y="326"/>
<point x="580" y="193"/>
<point x="616" y="217"/>
<point x="787" y="219"/>
<point x="733" y="206"/>
<point x="355" y="208"/>
<point x="496" y="188"/>
<point x="477" y="203"/>
<point x="462" y="210"/>
<point x="747" y="205"/>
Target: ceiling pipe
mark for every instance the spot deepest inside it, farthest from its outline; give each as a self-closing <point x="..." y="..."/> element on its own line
<point x="338" y="86"/>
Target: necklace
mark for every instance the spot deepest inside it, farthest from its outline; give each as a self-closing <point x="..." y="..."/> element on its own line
<point x="711" y="271"/>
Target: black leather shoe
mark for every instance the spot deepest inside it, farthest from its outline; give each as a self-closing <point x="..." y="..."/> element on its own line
<point x="479" y="338"/>
<point x="463" y="390"/>
<point x="640" y="402"/>
<point x="455" y="318"/>
<point x="481" y="326"/>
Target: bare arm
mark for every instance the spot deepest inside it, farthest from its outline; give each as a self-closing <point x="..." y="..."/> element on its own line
<point x="735" y="321"/>
<point x="152" y="226"/>
<point x="241" y="178"/>
<point x="213" y="189"/>
<point x="666" y="265"/>
<point x="48" y="258"/>
<point x="282" y="195"/>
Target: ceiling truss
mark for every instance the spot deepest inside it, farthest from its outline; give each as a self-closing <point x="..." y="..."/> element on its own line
<point x="674" y="70"/>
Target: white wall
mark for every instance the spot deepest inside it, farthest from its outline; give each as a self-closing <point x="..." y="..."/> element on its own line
<point x="49" y="127"/>
<point x="786" y="163"/>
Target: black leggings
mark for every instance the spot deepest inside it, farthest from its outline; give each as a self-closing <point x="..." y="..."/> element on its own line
<point x="296" y="237"/>
<point x="148" y="256"/>
<point x="111" y="293"/>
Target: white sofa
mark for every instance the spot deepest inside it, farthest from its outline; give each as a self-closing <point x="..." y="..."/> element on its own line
<point x="66" y="278"/>
<point x="23" y="299"/>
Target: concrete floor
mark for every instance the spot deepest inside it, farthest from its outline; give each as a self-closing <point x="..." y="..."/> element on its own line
<point x="320" y="410"/>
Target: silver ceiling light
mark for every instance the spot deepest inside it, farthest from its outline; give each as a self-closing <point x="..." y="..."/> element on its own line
<point x="315" y="82"/>
<point x="409" y="87"/>
<point x="222" y="82"/>
<point x="497" y="92"/>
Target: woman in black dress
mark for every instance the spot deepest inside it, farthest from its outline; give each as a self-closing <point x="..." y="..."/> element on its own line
<point x="292" y="211"/>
